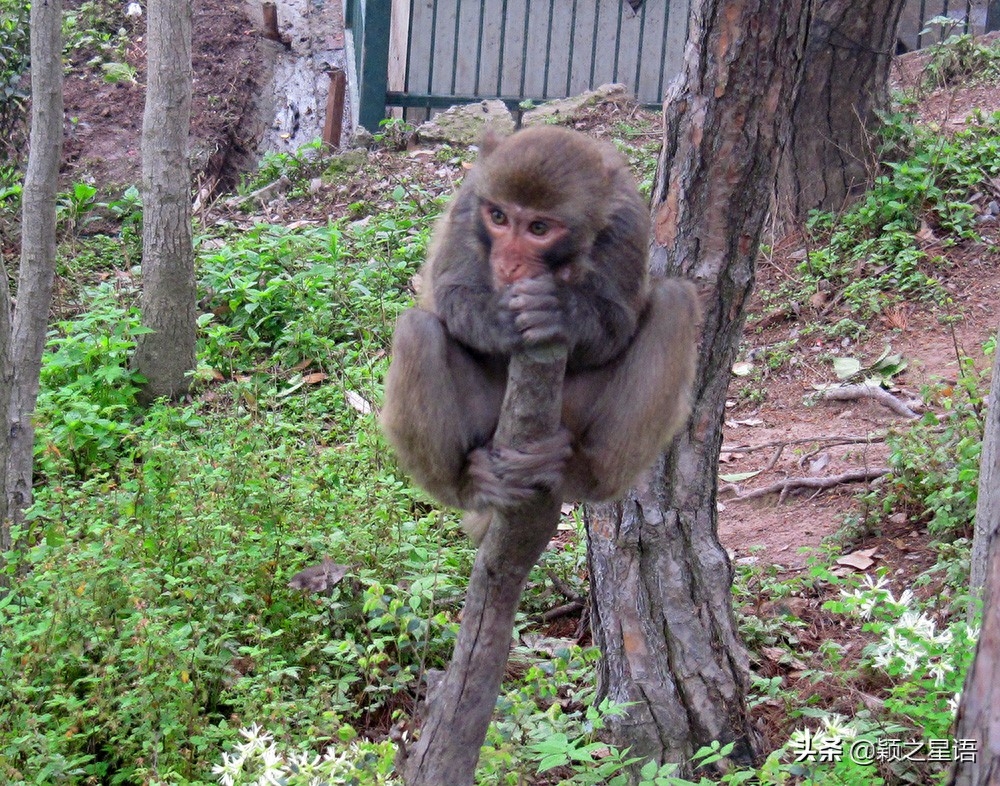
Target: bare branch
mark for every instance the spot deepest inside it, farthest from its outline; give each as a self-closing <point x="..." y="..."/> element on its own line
<point x="856" y="392"/>
<point x="789" y="484"/>
<point x="459" y="709"/>
<point x="877" y="436"/>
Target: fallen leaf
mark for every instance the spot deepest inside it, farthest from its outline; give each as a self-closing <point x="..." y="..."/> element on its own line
<point x="818" y="464"/>
<point x="860" y="560"/>
<point x="737" y="477"/>
<point x="319" y="578"/>
<point x="358" y="403"/>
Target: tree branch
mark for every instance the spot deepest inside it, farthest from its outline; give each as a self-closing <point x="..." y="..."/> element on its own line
<point x="855" y="392"/>
<point x="459" y="709"/>
<point x="788" y="484"/>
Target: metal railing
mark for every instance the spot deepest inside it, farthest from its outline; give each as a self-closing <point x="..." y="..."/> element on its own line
<point x="432" y="54"/>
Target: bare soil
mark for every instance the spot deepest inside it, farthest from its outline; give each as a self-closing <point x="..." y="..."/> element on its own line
<point x="105" y="118"/>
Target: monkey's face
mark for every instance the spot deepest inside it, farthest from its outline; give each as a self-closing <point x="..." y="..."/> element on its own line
<point x="525" y="242"/>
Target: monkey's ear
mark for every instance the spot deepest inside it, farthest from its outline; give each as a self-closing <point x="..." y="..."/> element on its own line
<point x="612" y="161"/>
<point x="491" y="141"/>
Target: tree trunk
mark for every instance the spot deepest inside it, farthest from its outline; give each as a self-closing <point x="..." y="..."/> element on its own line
<point x="459" y="709"/>
<point x="38" y="256"/>
<point x="988" y="503"/>
<point x="660" y="578"/>
<point x="978" y="718"/>
<point x="6" y="389"/>
<point x="165" y="357"/>
<point x="830" y="157"/>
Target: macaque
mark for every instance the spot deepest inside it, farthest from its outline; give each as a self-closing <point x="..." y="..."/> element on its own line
<point x="545" y="242"/>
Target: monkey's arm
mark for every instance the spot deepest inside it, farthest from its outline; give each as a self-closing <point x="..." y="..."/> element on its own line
<point x="602" y="309"/>
<point x="475" y="316"/>
<point x="601" y="322"/>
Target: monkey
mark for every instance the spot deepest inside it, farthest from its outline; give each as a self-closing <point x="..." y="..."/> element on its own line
<point x="546" y="241"/>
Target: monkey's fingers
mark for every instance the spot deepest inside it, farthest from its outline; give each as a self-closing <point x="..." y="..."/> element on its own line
<point x="539" y="328"/>
<point x="539" y="465"/>
<point x="544" y="284"/>
<point x="489" y="489"/>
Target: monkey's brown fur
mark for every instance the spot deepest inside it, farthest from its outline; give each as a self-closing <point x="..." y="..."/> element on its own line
<point x="546" y="241"/>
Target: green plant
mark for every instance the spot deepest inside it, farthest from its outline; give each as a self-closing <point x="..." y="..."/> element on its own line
<point x="959" y="56"/>
<point x="13" y="65"/>
<point x="94" y="29"/>
<point x="87" y="400"/>
<point x="284" y="298"/>
<point x="874" y="254"/>
<point x="935" y="466"/>
<point x="75" y="208"/>
<point x="393" y="133"/>
<point x="297" y="167"/>
<point x="927" y="666"/>
<point x="260" y="760"/>
<point x="119" y="72"/>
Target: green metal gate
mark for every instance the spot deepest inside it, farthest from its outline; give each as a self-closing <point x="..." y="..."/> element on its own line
<point x="431" y="54"/>
<point x="446" y="52"/>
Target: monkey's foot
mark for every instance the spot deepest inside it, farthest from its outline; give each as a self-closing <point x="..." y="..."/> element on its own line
<point x="504" y="477"/>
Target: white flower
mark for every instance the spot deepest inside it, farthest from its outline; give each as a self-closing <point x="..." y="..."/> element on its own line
<point x="133" y="9"/>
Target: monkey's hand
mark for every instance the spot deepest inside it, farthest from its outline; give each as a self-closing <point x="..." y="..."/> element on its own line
<point x="538" y="314"/>
<point x="502" y="477"/>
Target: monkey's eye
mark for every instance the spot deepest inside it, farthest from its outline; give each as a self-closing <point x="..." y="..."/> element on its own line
<point x="538" y="228"/>
<point x="498" y="217"/>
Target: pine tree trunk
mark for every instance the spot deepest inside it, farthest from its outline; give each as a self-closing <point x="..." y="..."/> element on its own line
<point x="830" y="155"/>
<point x="660" y="578"/>
<point x="166" y="356"/>
<point x="38" y="258"/>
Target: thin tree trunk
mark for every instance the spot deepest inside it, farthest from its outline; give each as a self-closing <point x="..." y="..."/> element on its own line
<point x="660" y="578"/>
<point x="988" y="502"/>
<point x="978" y="717"/>
<point x="165" y="357"/>
<point x="459" y="709"/>
<point x="830" y="155"/>
<point x="38" y="255"/>
<point x="6" y="389"/>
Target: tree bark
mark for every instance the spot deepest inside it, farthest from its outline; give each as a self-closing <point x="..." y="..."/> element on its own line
<point x="988" y="502"/>
<point x="165" y="357"/>
<point x="830" y="155"/>
<point x="660" y="578"/>
<point x="38" y="258"/>
<point x="6" y="390"/>
<point x="459" y="709"/>
<point x="978" y="717"/>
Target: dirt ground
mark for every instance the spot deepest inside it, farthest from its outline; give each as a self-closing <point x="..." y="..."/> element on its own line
<point x="102" y="145"/>
<point x="781" y="437"/>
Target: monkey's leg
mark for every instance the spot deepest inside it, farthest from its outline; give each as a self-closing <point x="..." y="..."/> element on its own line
<point x="440" y="403"/>
<point x="624" y="414"/>
<point x="441" y="409"/>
